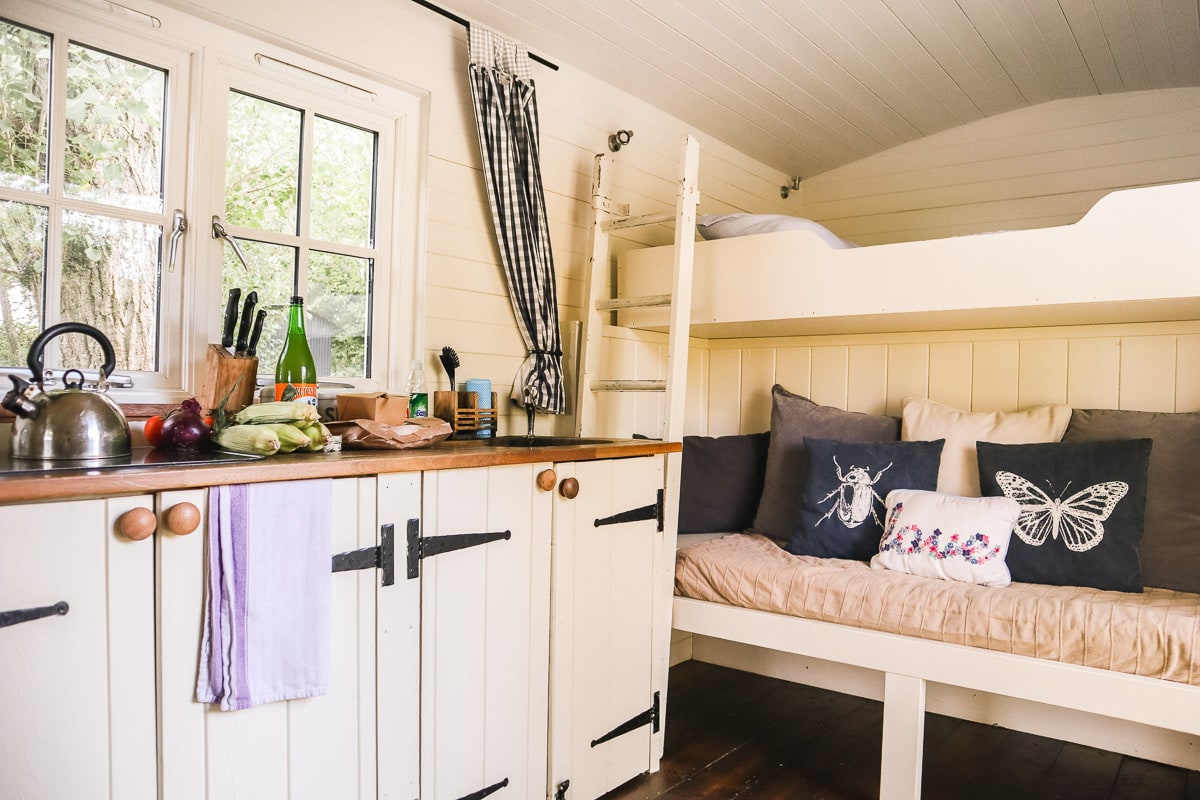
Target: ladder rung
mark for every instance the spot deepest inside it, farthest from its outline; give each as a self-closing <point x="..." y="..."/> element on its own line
<point x="638" y="222"/>
<point x="629" y="386"/>
<point x="649" y="301"/>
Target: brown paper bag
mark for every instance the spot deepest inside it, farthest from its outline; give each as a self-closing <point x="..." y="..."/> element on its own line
<point x="369" y="434"/>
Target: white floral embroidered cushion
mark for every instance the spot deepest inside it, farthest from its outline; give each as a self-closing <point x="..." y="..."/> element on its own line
<point x="948" y="537"/>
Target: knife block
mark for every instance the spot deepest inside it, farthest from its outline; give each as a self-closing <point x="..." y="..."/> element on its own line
<point x="222" y="370"/>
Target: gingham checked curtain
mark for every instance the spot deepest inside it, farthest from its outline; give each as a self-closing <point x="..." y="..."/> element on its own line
<point x="502" y="93"/>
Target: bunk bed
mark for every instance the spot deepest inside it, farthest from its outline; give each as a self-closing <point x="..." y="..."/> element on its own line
<point x="792" y="284"/>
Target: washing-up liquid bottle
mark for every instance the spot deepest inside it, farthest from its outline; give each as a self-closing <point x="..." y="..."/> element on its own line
<point x="296" y="366"/>
<point x="418" y="398"/>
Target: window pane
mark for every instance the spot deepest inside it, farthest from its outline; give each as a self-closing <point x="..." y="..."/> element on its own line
<point x="342" y="183"/>
<point x="24" y="100"/>
<point x="110" y="279"/>
<point x="339" y="314"/>
<point x="272" y="274"/>
<point x="262" y="164"/>
<point x="114" y="118"/>
<point x="22" y="267"/>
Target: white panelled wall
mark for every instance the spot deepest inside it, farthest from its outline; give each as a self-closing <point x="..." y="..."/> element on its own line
<point x="1143" y="367"/>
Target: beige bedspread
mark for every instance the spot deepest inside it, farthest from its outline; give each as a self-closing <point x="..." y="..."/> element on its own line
<point x="1154" y="634"/>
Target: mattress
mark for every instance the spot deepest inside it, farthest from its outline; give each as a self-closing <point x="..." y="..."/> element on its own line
<point x="1153" y="634"/>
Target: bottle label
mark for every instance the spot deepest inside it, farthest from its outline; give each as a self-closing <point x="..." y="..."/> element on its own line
<point x="306" y="392"/>
<point x="418" y="404"/>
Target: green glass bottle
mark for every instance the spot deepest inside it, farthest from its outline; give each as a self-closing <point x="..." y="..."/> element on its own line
<point x="296" y="367"/>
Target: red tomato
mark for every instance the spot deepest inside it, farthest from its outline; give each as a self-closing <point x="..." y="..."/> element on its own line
<point x="153" y="430"/>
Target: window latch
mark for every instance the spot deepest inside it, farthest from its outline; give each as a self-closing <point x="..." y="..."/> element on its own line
<point x="219" y="232"/>
<point x="179" y="227"/>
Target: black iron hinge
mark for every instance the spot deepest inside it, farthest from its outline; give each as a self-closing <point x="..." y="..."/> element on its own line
<point x="420" y="547"/>
<point x="484" y="792"/>
<point x="652" y="511"/>
<point x="28" y="614"/>
<point x="382" y="557"/>
<point x="648" y="717"/>
<point x="560" y="791"/>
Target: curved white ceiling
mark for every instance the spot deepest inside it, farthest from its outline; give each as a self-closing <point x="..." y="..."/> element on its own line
<point x="808" y="85"/>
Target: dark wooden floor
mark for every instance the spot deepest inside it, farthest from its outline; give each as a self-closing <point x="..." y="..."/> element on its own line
<point x="735" y="735"/>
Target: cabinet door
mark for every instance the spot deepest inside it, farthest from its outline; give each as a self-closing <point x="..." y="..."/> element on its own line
<point x="77" y="715"/>
<point x="320" y="747"/>
<point x="604" y="582"/>
<point x="485" y="635"/>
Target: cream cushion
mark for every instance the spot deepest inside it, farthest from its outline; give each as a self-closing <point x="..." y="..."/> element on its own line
<point x="922" y="419"/>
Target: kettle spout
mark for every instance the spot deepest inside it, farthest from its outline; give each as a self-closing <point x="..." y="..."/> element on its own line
<point x="19" y="399"/>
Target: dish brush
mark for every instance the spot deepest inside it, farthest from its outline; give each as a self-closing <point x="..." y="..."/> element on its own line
<point x="449" y="362"/>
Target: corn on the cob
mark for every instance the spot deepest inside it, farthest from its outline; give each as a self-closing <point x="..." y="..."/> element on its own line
<point x="278" y="411"/>
<point x="318" y="434"/>
<point x="290" y="437"/>
<point x="257" y="440"/>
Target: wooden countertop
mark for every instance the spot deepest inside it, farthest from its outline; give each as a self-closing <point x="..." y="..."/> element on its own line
<point x="30" y="487"/>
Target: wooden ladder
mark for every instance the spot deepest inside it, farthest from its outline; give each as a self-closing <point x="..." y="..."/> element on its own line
<point x="611" y="216"/>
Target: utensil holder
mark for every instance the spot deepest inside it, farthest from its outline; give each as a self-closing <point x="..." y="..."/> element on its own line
<point x="222" y="370"/>
<point x="462" y="411"/>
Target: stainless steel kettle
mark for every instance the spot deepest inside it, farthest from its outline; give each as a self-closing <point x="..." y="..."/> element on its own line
<point x="70" y="423"/>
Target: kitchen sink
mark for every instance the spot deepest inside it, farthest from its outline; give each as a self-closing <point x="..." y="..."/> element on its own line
<point x="546" y="441"/>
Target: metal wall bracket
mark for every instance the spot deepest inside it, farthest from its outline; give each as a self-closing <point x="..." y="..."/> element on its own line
<point x="420" y="547"/>
<point x="653" y="511"/>
<point x="648" y="717"/>
<point x="382" y="557"/>
<point x="29" y="614"/>
<point x="484" y="792"/>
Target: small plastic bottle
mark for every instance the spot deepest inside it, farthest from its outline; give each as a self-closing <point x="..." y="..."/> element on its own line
<point x="418" y="398"/>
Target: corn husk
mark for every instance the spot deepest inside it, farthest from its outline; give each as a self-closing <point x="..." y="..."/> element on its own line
<point x="291" y="438"/>
<point x="255" y="440"/>
<point x="280" y="411"/>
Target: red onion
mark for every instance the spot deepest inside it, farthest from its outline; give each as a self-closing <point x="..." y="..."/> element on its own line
<point x="185" y="428"/>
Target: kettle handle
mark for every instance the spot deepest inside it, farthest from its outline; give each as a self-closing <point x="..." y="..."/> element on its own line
<point x="36" y="357"/>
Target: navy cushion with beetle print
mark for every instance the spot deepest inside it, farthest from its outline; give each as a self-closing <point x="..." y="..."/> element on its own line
<point x="842" y="511"/>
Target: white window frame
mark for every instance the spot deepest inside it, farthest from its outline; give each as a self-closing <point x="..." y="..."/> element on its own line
<point x="93" y="30"/>
<point x="210" y="59"/>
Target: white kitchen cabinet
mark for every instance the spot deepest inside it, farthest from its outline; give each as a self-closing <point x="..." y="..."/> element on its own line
<point x="356" y="742"/>
<point x="485" y="606"/>
<point x="77" y="698"/>
<point x="606" y="566"/>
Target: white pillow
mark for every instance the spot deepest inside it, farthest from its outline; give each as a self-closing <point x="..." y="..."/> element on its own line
<point x="947" y="537"/>
<point x="725" y="226"/>
<point x="925" y="420"/>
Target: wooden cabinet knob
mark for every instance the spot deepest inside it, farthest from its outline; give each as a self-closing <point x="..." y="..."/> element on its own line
<point x="137" y="524"/>
<point x="546" y="480"/>
<point x="569" y="488"/>
<point x="183" y="518"/>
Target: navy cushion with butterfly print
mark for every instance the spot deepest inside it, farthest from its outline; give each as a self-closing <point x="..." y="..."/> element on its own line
<point x="1082" y="509"/>
<point x="841" y="509"/>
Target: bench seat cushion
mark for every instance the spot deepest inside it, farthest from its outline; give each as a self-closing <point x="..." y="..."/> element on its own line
<point x="1152" y="634"/>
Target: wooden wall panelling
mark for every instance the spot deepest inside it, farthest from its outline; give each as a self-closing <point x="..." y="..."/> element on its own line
<point x="695" y="407"/>
<point x="1094" y="372"/>
<point x="907" y="374"/>
<point x="757" y="377"/>
<point x="1148" y="373"/>
<point x="950" y="365"/>
<point x="994" y="378"/>
<point x="1042" y="372"/>
<point x="724" y="392"/>
<point x="793" y="369"/>
<point x="866" y="378"/>
<point x="830" y="375"/>
<point x="1187" y="373"/>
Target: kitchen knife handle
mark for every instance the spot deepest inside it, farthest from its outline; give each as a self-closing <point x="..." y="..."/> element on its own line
<point x="247" y="318"/>
<point x="231" y="309"/>
<point x="255" y="334"/>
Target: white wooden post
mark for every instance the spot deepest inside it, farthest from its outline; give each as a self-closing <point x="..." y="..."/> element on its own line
<point x="903" y="737"/>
